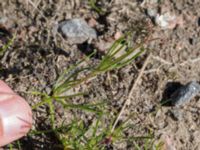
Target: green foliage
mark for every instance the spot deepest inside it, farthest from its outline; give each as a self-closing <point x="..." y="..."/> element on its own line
<point x="93" y="5"/>
<point x="119" y="55"/>
<point x="6" y="46"/>
<point x="78" y="135"/>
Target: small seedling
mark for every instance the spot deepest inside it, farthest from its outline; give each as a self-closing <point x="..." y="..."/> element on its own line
<point x="93" y="5"/>
<point x="77" y="135"/>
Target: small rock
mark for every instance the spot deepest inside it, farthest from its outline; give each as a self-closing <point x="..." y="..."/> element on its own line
<point x="92" y="22"/>
<point x="168" y="20"/>
<point x="76" y="31"/>
<point x="103" y="45"/>
<point x="117" y="35"/>
<point x="152" y="12"/>
<point x="3" y="20"/>
<point x="151" y="7"/>
<point x="185" y="93"/>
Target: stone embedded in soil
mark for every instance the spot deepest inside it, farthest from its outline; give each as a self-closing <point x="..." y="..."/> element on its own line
<point x="152" y="12"/>
<point x="166" y="21"/>
<point x="3" y="20"/>
<point x="151" y="7"/>
<point x="76" y="31"/>
<point x="185" y="93"/>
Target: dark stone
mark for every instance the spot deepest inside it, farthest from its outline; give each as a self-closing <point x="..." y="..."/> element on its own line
<point x="184" y="94"/>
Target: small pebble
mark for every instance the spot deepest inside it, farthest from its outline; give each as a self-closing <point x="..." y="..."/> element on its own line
<point x="77" y="31"/>
<point x="185" y="93"/>
<point x="3" y="20"/>
<point x="169" y="20"/>
<point x="166" y="21"/>
<point x="117" y="35"/>
<point x="151" y="7"/>
<point x="152" y="12"/>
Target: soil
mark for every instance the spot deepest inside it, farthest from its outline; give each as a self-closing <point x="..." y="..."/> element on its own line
<point x="39" y="54"/>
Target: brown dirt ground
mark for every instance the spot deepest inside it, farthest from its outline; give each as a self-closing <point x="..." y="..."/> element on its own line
<point x="39" y="55"/>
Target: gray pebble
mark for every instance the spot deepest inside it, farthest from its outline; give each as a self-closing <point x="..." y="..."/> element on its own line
<point x="185" y="93"/>
<point x="152" y="12"/>
<point x="76" y="31"/>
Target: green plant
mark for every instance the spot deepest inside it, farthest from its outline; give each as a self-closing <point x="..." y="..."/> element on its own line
<point x="6" y="46"/>
<point x="96" y="136"/>
<point x="93" y="5"/>
<point x="18" y="145"/>
<point x="73" y="136"/>
<point x="119" y="55"/>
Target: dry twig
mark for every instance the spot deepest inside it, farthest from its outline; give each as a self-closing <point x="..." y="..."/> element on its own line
<point x="35" y="6"/>
<point x="131" y="92"/>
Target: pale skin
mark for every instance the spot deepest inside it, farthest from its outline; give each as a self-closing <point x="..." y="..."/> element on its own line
<point x="15" y="115"/>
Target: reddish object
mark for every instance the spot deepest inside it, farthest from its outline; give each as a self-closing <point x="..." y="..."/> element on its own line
<point x="15" y="115"/>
